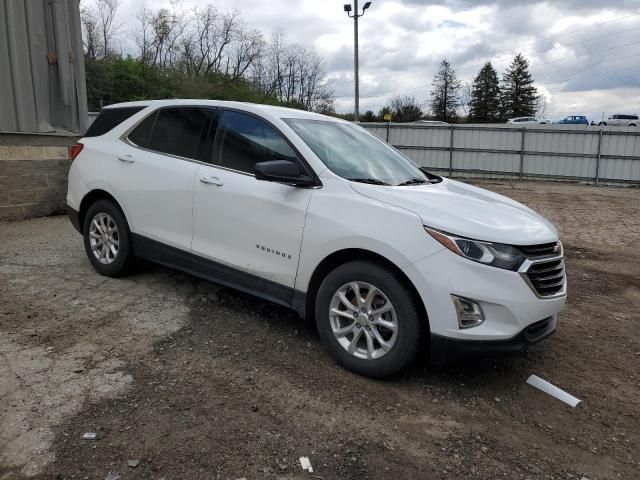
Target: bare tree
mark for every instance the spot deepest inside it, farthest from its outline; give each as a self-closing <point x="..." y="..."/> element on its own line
<point x="466" y="95"/>
<point x="205" y="42"/>
<point x="404" y="108"/>
<point x="91" y="38"/>
<point x="294" y="73"/>
<point x="541" y="106"/>
<point x="161" y="37"/>
<point x="247" y="48"/>
<point x="106" y="11"/>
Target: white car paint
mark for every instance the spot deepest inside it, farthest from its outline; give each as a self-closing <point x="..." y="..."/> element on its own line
<point x="236" y="221"/>
<point x="468" y="211"/>
<point x="231" y="219"/>
<point x="529" y="121"/>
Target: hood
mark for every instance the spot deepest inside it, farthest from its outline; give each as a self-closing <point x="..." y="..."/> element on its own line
<point x="468" y="211"/>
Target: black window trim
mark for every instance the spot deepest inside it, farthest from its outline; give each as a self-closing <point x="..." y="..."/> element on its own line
<point x="220" y="109"/>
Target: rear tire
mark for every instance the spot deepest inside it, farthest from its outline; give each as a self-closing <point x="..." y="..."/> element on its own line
<point x="107" y="239"/>
<point x="378" y="344"/>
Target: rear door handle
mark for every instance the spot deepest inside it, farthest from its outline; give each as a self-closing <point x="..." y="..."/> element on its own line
<point x="211" y="181"/>
<point x="126" y="159"/>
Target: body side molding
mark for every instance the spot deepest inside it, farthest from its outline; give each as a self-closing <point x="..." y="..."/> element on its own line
<point x="216" y="272"/>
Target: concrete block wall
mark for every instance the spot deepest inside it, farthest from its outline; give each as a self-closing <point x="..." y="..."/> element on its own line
<point x="33" y="175"/>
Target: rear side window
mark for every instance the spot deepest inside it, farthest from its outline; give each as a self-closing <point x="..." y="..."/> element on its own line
<point x="244" y="140"/>
<point x="180" y="131"/>
<point x="140" y="135"/>
<point x="110" y="118"/>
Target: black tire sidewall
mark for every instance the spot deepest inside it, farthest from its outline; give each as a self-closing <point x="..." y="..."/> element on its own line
<point x="121" y="264"/>
<point x="408" y="315"/>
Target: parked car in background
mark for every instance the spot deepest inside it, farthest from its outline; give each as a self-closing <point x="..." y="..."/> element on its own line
<point x="621" y="119"/>
<point x="529" y="121"/>
<point x="574" y="120"/>
<point x="392" y="257"/>
<point x="430" y="122"/>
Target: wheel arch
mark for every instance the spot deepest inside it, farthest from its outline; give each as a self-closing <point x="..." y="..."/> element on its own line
<point x="340" y="257"/>
<point x="90" y="198"/>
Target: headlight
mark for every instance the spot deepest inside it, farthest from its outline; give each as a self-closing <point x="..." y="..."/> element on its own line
<point x="494" y="254"/>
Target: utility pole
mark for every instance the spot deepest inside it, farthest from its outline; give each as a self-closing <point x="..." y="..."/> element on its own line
<point x="355" y="16"/>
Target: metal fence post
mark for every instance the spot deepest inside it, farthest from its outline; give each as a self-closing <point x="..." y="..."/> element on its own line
<point x="599" y="155"/>
<point x="451" y="151"/>
<point x="521" y="154"/>
<point x="388" y="127"/>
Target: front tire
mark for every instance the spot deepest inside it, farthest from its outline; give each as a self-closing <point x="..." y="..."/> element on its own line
<point x="107" y="239"/>
<point x="367" y="319"/>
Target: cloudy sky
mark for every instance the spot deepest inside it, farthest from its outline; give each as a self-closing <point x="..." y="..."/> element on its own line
<point x="584" y="54"/>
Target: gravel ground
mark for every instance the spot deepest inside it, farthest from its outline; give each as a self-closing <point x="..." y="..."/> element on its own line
<point x="190" y="380"/>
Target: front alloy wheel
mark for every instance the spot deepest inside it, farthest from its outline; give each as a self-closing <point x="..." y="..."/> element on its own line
<point x="363" y="320"/>
<point x="368" y="318"/>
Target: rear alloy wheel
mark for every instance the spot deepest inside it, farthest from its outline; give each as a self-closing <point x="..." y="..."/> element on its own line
<point x="104" y="238"/>
<point x="107" y="239"/>
<point x="367" y="319"/>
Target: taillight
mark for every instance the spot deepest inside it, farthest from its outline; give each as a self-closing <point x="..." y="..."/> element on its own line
<point x="75" y="150"/>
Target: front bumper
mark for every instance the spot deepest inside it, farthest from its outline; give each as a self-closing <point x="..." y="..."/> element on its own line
<point x="509" y="304"/>
<point x="443" y="348"/>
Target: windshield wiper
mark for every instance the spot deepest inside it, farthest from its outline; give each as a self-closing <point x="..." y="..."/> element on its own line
<point x="372" y="181"/>
<point x="413" y="181"/>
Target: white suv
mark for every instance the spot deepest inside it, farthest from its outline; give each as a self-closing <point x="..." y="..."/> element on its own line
<point x="622" y="120"/>
<point x="317" y="214"/>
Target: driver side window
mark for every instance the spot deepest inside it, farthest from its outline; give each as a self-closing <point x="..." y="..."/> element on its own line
<point x="244" y="140"/>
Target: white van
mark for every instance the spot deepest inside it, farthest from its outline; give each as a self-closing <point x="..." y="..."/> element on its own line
<point x="317" y="214"/>
<point x="621" y="119"/>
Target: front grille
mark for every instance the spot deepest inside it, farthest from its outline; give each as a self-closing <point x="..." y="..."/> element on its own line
<point x="545" y="249"/>
<point x="547" y="276"/>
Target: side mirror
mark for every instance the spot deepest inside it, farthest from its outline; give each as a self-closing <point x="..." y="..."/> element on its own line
<point x="283" y="171"/>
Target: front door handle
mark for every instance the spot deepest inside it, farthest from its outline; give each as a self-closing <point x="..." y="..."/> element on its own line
<point x="126" y="159"/>
<point x="211" y="181"/>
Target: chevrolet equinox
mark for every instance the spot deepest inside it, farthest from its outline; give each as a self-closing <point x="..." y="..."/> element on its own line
<point x="319" y="215"/>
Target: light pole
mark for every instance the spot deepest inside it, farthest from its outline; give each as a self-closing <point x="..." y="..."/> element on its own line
<point x="355" y="16"/>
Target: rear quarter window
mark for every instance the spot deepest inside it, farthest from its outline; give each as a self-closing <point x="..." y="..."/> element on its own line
<point x="140" y="134"/>
<point x="110" y="118"/>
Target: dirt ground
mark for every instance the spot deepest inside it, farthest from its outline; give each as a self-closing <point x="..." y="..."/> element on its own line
<point x="196" y="381"/>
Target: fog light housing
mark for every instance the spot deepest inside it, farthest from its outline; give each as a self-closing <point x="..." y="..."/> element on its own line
<point x="469" y="312"/>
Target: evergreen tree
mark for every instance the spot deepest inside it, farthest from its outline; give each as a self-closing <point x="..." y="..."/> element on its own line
<point x="445" y="101"/>
<point x="368" y="116"/>
<point x="485" y="96"/>
<point x="518" y="95"/>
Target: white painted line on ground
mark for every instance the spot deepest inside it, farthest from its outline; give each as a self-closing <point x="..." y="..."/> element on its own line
<point x="552" y="390"/>
<point x="306" y="464"/>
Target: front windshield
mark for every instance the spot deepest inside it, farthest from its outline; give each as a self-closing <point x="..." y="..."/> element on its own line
<point x="355" y="154"/>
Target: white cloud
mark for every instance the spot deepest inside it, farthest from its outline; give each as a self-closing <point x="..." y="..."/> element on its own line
<point x="581" y="52"/>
